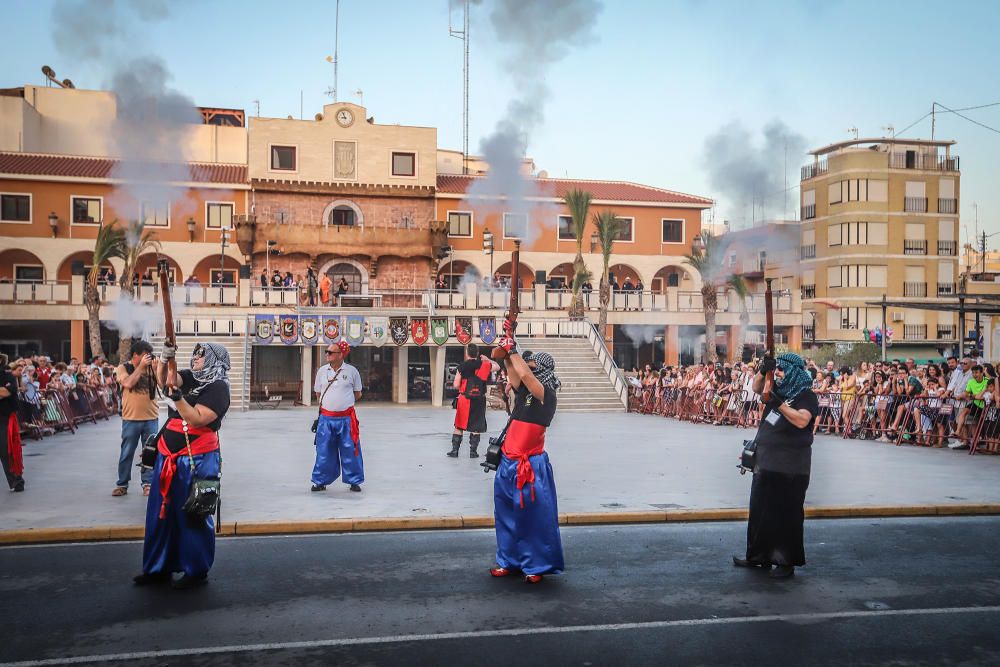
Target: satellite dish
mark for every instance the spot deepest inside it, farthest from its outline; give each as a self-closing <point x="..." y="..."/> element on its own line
<point x="48" y="71"/>
<point x="67" y="83"/>
<point x="290" y="117"/>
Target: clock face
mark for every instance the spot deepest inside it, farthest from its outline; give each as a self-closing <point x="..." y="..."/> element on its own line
<point x="345" y="117"/>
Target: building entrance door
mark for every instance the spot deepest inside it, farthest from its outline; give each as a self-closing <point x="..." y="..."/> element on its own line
<point x="348" y="272"/>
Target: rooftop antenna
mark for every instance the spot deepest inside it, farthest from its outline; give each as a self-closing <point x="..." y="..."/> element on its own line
<point x="889" y="131"/>
<point x="463" y="35"/>
<point x="50" y="74"/>
<point x="332" y="92"/>
<point x="257" y="102"/>
<point x="360" y="94"/>
<point x="933" y="118"/>
<point x="854" y="131"/>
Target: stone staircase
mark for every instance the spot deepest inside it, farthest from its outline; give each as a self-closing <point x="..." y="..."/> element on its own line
<point x="585" y="385"/>
<point x="239" y="372"/>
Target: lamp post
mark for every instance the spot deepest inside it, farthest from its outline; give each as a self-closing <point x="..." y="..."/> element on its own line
<point x="54" y="224"/>
<point x="488" y="249"/>
<point x="223" y="242"/>
<point x="191" y="226"/>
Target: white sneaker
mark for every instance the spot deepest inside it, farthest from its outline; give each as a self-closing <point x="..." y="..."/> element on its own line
<point x="883" y="439"/>
<point x="958" y="445"/>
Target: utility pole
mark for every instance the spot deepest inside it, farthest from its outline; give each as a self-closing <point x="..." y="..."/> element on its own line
<point x="463" y="35"/>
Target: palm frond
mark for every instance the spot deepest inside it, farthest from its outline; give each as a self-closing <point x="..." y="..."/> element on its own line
<point x="607" y="225"/>
<point x="110" y="244"/>
<point x="578" y="203"/>
<point x="138" y="241"/>
<point x="582" y="275"/>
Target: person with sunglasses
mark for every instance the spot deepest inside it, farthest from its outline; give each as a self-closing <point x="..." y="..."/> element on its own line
<point x="338" y="438"/>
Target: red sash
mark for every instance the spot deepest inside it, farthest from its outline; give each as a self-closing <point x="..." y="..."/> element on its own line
<point x="355" y="425"/>
<point x="522" y="441"/>
<point x="14" y="445"/>
<point x="206" y="440"/>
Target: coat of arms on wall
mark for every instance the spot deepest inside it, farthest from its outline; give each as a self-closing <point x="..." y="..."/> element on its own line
<point x="398" y="330"/>
<point x="289" y="329"/>
<point x="331" y="329"/>
<point x="439" y="330"/>
<point x="264" y="329"/>
<point x="308" y="329"/>
<point x="419" y="329"/>
<point x="344" y="154"/>
<point x="378" y="330"/>
<point x="463" y="330"/>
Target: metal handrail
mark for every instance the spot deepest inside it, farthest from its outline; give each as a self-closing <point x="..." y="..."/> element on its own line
<point x="608" y="363"/>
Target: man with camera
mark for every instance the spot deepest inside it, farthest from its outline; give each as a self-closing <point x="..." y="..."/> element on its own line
<point x="140" y="414"/>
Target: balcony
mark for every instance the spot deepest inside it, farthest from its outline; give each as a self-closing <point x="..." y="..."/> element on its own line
<point x="35" y="292"/>
<point x="915" y="289"/>
<point x="914" y="332"/>
<point x="947" y="205"/>
<point x="808" y="291"/>
<point x="808" y="251"/>
<point x="914" y="247"/>
<point x="813" y="170"/>
<point x="946" y="289"/>
<point x="911" y="160"/>
<point x="809" y="332"/>
<point x="915" y="204"/>
<point x="947" y="248"/>
<point x="946" y="332"/>
<point x="809" y="212"/>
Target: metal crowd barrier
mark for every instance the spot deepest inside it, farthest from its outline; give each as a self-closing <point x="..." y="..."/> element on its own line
<point x="58" y="410"/>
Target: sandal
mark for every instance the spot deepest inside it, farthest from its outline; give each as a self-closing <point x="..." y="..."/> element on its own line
<point x="119" y="491"/>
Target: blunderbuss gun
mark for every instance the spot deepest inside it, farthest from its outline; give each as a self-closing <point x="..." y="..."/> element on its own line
<point x="768" y="339"/>
<point x="492" y="459"/>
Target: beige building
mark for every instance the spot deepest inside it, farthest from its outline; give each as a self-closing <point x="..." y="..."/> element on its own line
<point x="880" y="217"/>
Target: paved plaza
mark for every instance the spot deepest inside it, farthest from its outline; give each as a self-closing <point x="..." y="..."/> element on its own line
<point x="604" y="462"/>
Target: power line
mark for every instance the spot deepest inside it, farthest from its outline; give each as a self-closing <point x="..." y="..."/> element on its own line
<point x="954" y="111"/>
<point x="992" y="129"/>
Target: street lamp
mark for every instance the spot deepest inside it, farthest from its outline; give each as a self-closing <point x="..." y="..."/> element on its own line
<point x="223" y="242"/>
<point x="488" y="248"/>
<point x="54" y="224"/>
<point x="190" y="225"/>
<point x="698" y="244"/>
<point x="594" y="240"/>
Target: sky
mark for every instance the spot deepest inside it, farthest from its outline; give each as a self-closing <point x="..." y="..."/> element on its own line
<point x="715" y="98"/>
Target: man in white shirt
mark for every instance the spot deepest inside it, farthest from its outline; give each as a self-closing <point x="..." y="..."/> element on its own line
<point x="338" y="439"/>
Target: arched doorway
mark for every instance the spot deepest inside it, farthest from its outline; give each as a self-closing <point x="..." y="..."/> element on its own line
<point x="525" y="274"/>
<point x="65" y="271"/>
<point x="455" y="274"/>
<point x="145" y="266"/>
<point x="561" y="276"/>
<point x="211" y="272"/>
<point x="21" y="266"/>
<point x="671" y="276"/>
<point x="351" y="274"/>
<point x="622" y="271"/>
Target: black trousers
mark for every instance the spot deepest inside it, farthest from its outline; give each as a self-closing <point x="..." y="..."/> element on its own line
<point x="12" y="479"/>
<point x="777" y="514"/>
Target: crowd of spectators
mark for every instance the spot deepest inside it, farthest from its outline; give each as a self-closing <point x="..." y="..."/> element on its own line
<point x="949" y="404"/>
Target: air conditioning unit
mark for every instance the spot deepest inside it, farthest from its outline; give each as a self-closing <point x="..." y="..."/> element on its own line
<point x="897" y="316"/>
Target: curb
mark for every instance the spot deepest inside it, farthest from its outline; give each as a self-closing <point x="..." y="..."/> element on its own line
<point x="382" y="524"/>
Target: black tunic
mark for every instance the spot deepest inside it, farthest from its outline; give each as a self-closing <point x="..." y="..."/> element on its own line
<point x="215" y="396"/>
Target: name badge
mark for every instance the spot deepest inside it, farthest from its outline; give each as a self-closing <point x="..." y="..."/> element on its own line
<point x="772" y="418"/>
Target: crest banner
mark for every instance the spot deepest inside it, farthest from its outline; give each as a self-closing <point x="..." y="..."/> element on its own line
<point x="398" y="331"/>
<point x="289" y="329"/>
<point x="264" y="329"/>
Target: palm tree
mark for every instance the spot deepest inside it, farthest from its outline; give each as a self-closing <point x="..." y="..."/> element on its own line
<point x="739" y="288"/>
<point x="706" y="258"/>
<point x="578" y="203"/>
<point x="110" y="244"/>
<point x="607" y="225"/>
<point x="137" y="241"/>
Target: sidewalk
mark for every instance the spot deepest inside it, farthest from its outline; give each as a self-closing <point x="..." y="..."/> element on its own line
<point x="637" y="467"/>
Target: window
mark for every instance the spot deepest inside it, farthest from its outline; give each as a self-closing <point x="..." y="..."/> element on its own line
<point x="515" y="225"/>
<point x="856" y="275"/>
<point x="625" y="229"/>
<point x="219" y="216"/>
<point x="15" y="208"/>
<point x="404" y="164"/>
<point x="151" y="277"/>
<point x="228" y="277"/>
<point x="459" y="223"/>
<point x="155" y="215"/>
<point x="283" y="158"/>
<point x="87" y="210"/>
<point x="342" y="216"/>
<point x="28" y="273"/>
<point x="566" y="228"/>
<point x="673" y="231"/>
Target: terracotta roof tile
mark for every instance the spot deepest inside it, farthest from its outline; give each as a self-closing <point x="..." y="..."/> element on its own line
<point x="69" y="166"/>
<point x="605" y="190"/>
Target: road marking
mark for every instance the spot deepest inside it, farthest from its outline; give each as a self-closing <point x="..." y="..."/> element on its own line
<point x="513" y="632"/>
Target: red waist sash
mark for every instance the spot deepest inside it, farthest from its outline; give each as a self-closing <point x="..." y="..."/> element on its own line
<point x="205" y="440"/>
<point x="355" y="425"/>
<point x="522" y="441"/>
<point x="14" y="445"/>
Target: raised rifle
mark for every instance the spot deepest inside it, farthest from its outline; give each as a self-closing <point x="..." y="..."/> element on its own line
<point x="513" y="307"/>
<point x="768" y="339"/>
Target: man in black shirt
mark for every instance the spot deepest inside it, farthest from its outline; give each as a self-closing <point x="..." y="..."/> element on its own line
<point x="471" y="379"/>
<point x="10" y="430"/>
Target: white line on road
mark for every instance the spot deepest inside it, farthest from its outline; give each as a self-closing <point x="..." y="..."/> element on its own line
<point x="513" y="632"/>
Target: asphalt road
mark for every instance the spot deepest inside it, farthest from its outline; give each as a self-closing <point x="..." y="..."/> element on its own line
<point x="875" y="592"/>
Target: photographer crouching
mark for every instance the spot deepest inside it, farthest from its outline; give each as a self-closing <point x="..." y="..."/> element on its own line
<point x="781" y="469"/>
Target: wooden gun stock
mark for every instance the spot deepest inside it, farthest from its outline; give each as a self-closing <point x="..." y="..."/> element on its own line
<point x="163" y="267"/>
<point x="513" y="308"/>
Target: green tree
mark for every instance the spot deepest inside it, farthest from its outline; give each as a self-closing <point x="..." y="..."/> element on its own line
<point x="110" y="244"/>
<point x="608" y="226"/>
<point x="578" y="203"/>
<point x="738" y="286"/>
<point x="138" y="241"/>
<point x="707" y="259"/>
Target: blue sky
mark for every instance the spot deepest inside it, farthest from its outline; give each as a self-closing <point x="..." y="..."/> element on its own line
<point x="637" y="99"/>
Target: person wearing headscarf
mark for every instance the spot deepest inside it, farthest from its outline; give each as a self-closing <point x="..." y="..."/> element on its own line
<point x="338" y="433"/>
<point x="187" y="450"/>
<point x="524" y="492"/>
<point x="782" y="468"/>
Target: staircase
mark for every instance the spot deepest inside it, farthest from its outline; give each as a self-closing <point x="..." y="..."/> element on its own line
<point x="239" y="371"/>
<point x="585" y="384"/>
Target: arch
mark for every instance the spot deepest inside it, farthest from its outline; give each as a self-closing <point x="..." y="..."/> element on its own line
<point x="359" y="217"/>
<point x="361" y="275"/>
<point x="458" y="272"/>
<point x="146" y="267"/>
<point x="15" y="257"/>
<point x="206" y="271"/>
<point x="563" y="273"/>
<point x="65" y="271"/>
<point x="525" y="273"/>
<point x="673" y="275"/>
<point x="623" y="271"/>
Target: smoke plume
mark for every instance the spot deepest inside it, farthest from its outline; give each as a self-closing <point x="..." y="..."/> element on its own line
<point x="749" y="173"/>
<point x="134" y="319"/>
<point x="538" y="34"/>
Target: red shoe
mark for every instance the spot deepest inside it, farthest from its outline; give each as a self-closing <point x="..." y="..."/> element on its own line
<point x="501" y="571"/>
<point x="532" y="578"/>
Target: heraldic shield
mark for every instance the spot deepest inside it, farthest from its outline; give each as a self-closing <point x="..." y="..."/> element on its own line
<point x="439" y="330"/>
<point x="398" y="331"/>
<point x="264" y="329"/>
<point x="355" y="329"/>
<point x="378" y="330"/>
<point x="308" y="329"/>
<point x="419" y="329"/>
<point x="488" y="329"/>
<point x="331" y="329"/>
<point x="289" y="329"/>
<point x="463" y="330"/>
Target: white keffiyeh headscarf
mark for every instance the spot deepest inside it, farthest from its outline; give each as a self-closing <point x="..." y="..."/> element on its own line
<point x="216" y="364"/>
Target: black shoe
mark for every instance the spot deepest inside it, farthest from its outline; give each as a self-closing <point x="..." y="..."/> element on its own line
<point x="782" y="571"/>
<point x="744" y="562"/>
<point x="186" y="582"/>
<point x="151" y="579"/>
<point x="453" y="453"/>
<point x="355" y="487"/>
<point x="19" y="486"/>
<point x="473" y="454"/>
<point x="318" y="487"/>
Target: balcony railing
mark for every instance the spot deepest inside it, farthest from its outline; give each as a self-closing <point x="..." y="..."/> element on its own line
<point x="945" y="289"/>
<point x="35" y="292"/>
<point x="914" y="332"/>
<point x="914" y="247"/>
<point x="808" y="251"/>
<point x="809" y="332"/>
<point x="947" y="205"/>
<point x="946" y="332"/>
<point x="947" y="248"/>
<point x="914" y="289"/>
<point x="808" y="291"/>
<point x="918" y="161"/>
<point x="809" y="212"/>
<point x="915" y="204"/>
<point x="813" y="170"/>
